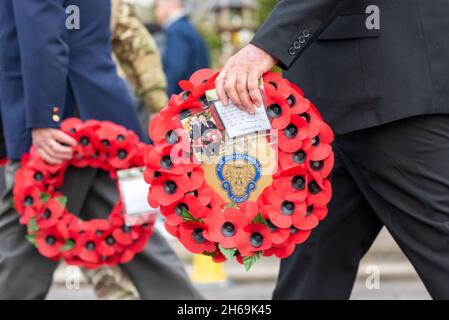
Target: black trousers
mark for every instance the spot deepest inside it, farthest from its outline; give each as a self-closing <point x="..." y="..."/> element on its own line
<point x="397" y="176"/>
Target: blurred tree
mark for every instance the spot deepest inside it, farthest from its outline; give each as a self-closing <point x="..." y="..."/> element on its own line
<point x="265" y="7"/>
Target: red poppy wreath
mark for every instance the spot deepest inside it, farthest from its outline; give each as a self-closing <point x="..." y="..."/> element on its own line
<point x="59" y="234"/>
<point x="284" y="213"/>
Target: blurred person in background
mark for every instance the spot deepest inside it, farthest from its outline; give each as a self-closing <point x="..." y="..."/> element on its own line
<point x="185" y="51"/>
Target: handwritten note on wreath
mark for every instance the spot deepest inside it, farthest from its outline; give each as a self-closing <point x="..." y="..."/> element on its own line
<point x="238" y="122"/>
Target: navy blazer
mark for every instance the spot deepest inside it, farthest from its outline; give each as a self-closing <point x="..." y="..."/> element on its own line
<point x="45" y="68"/>
<point x="185" y="52"/>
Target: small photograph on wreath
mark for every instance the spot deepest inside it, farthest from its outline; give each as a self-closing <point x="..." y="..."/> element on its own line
<point x="205" y="134"/>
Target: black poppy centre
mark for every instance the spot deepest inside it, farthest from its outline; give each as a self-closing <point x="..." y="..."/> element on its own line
<point x="46" y="214"/>
<point x="38" y="176"/>
<point x="291" y="131"/>
<point x="256" y="239"/>
<point x="287" y="208"/>
<point x="90" y="246"/>
<point x="170" y="187"/>
<point x="198" y="236"/>
<point x="166" y="162"/>
<point x="274" y="111"/>
<point x="299" y="157"/>
<point x="314" y="188"/>
<point x="180" y="208"/>
<point x="50" y="240"/>
<point x="228" y="229"/>
<point x="291" y="100"/>
<point x="172" y="137"/>
<point x="28" y="202"/>
<point x="122" y="154"/>
<point x="298" y="183"/>
<point x="317" y="165"/>
<point x="84" y="141"/>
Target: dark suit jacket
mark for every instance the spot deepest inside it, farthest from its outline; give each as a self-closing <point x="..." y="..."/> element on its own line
<point x="45" y="68"/>
<point x="360" y="77"/>
<point x="185" y="52"/>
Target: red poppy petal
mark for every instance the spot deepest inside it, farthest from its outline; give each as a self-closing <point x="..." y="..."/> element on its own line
<point x="200" y="76"/>
<point x="122" y="237"/>
<point x="306" y="223"/>
<point x="251" y="209"/>
<point x="196" y="178"/>
<point x="285" y="251"/>
<point x="279" y="219"/>
<point x="89" y="256"/>
<point x="301" y="106"/>
<point x="126" y="256"/>
<point x="321" y="152"/>
<point x="173" y="230"/>
<point x="300" y="236"/>
<point x="280" y="236"/>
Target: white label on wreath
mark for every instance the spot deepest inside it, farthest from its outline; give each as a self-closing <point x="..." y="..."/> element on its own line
<point x="134" y="192"/>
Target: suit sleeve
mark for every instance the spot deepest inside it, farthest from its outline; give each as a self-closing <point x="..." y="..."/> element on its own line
<point x="292" y="26"/>
<point x="42" y="32"/>
<point x="176" y="60"/>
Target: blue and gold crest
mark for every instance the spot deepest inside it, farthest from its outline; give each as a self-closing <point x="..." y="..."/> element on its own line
<point x="238" y="174"/>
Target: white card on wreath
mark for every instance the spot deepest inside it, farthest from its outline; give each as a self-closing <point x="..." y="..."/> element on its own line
<point x="237" y="122"/>
<point x="134" y="192"/>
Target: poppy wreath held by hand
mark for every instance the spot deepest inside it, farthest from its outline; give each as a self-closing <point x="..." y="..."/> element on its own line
<point x="59" y="234"/>
<point x="285" y="212"/>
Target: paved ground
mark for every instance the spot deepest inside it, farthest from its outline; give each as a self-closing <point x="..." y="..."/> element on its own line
<point x="398" y="279"/>
<point x="385" y="270"/>
<point x="410" y="289"/>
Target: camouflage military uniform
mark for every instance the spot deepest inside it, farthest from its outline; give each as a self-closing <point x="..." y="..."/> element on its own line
<point x="111" y="284"/>
<point x="138" y="61"/>
<point x="137" y="55"/>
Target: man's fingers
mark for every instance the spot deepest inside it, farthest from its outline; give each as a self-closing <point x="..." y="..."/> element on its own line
<point x="50" y="149"/>
<point x="231" y="88"/>
<point x="49" y="145"/>
<point x="45" y="147"/>
<point x="47" y="158"/>
<point x="61" y="156"/>
<point x="63" y="138"/>
<point x="253" y="87"/>
<point x="256" y="61"/>
<point x="219" y="86"/>
<point x="242" y="90"/>
<point x="60" y="150"/>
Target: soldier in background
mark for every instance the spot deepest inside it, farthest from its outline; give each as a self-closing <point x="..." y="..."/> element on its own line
<point x="138" y="57"/>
